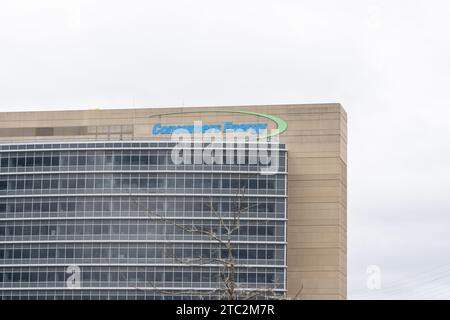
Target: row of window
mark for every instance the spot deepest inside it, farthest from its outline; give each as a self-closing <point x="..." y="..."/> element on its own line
<point x="167" y="251"/>
<point x="148" y="229"/>
<point x="185" y="280"/>
<point x="146" y="277"/>
<point x="168" y="206"/>
<point x="118" y="159"/>
<point x="141" y="181"/>
<point x="127" y="294"/>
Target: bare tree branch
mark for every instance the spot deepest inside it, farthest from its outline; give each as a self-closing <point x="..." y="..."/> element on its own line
<point x="228" y="227"/>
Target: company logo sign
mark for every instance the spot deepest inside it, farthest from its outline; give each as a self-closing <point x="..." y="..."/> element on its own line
<point x="225" y="143"/>
<point x="227" y="126"/>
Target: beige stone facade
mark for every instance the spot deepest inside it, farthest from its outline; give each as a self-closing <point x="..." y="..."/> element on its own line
<point x="316" y="139"/>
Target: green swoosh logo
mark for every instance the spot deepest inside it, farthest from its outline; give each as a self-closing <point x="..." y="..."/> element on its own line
<point x="281" y="124"/>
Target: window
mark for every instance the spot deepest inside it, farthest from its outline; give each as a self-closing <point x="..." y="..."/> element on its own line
<point x="81" y="183"/>
<point x="90" y="183"/>
<point x="72" y="183"/>
<point x="126" y="159"/>
<point x="108" y="159"/>
<point x="27" y="230"/>
<point x="96" y="253"/>
<point x="71" y="206"/>
<point x="37" y="184"/>
<point x="262" y="184"/>
<point x="4" y="163"/>
<point x="144" y="160"/>
<point x="189" y="183"/>
<point x="234" y="183"/>
<point x="81" y="160"/>
<point x="12" y="162"/>
<point x="72" y="160"/>
<point x="152" y="183"/>
<point x="29" y="162"/>
<point x="21" y="162"/>
<point x="135" y="160"/>
<point x="46" y="184"/>
<point x="47" y="161"/>
<point x="143" y="183"/>
<point x="38" y="161"/>
<point x="90" y="160"/>
<point x="55" y="161"/>
<point x="168" y="276"/>
<point x="97" y="229"/>
<point x="98" y="183"/>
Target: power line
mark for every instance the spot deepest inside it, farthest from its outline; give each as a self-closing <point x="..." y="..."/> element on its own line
<point x="405" y="285"/>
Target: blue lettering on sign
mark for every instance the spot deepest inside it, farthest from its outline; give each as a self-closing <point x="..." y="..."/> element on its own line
<point x="228" y="126"/>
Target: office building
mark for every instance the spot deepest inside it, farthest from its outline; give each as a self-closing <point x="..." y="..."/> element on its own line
<point x="93" y="204"/>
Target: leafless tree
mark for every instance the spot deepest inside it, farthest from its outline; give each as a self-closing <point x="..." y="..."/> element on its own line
<point x="223" y="238"/>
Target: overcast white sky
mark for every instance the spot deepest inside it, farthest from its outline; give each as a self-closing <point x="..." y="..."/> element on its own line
<point x="387" y="62"/>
